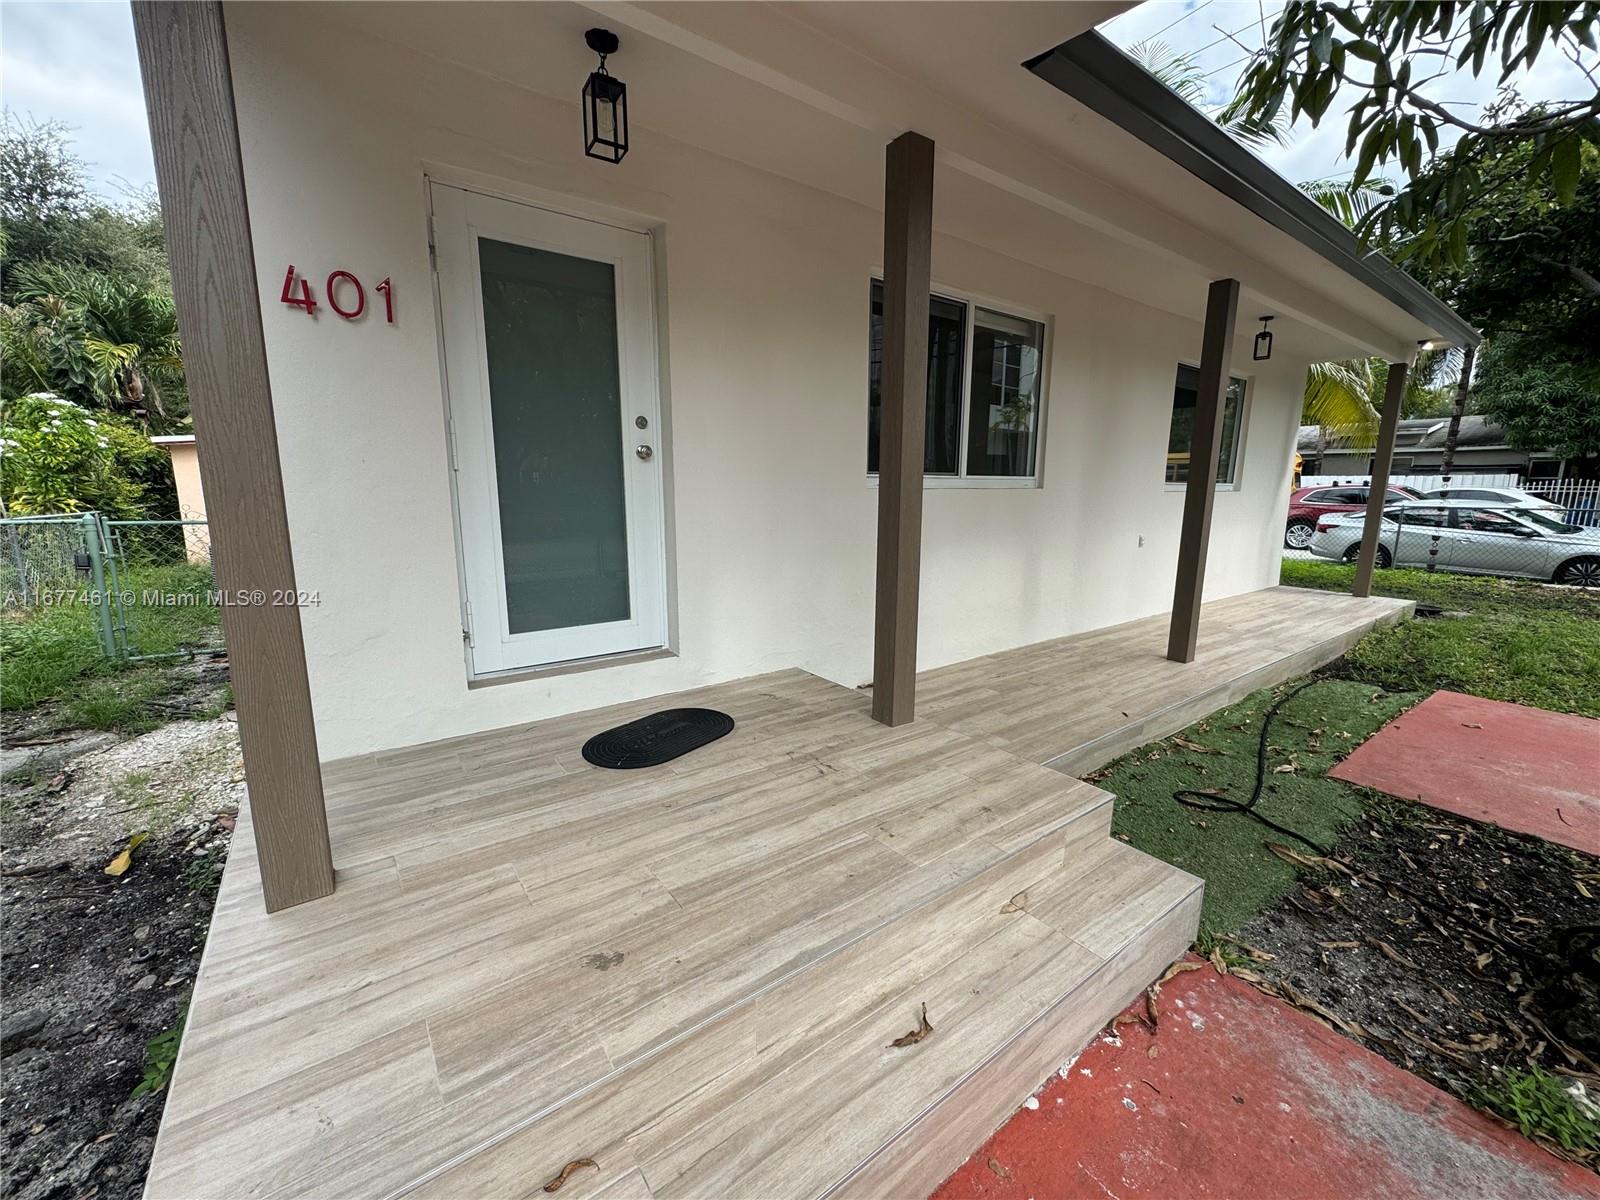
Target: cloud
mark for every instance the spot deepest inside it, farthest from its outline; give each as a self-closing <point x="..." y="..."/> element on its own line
<point x="76" y="63"/>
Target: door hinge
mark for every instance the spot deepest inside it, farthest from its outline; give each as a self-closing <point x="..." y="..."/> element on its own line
<point x="433" y="247"/>
<point x="466" y="631"/>
<point x="450" y="436"/>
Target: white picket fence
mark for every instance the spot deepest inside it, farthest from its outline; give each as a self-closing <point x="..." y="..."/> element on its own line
<point x="1580" y="497"/>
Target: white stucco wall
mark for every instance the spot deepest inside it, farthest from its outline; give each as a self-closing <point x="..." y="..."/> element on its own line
<point x="771" y="518"/>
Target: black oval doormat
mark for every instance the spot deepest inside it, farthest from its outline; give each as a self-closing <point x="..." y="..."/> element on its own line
<point x="658" y="738"/>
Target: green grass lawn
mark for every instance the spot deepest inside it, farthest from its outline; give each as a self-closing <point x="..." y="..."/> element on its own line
<point x="54" y="653"/>
<point x="1521" y="642"/>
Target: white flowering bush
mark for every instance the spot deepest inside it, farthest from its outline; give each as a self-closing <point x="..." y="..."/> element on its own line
<point x="57" y="457"/>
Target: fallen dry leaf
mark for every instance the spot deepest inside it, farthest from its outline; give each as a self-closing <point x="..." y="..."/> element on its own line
<point x="1017" y="903"/>
<point x="1291" y="855"/>
<point x="59" y="782"/>
<point x="1287" y="768"/>
<point x="922" y="1030"/>
<point x="1471" y="725"/>
<point x="1392" y="954"/>
<point x="1121" y="1019"/>
<point x="1154" y="990"/>
<point x="999" y="1169"/>
<point x="1195" y="746"/>
<point x="1178" y="968"/>
<point x="120" y="864"/>
<point x="568" y="1171"/>
<point x="1250" y="952"/>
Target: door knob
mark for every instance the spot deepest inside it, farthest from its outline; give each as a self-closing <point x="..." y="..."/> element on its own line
<point x="644" y="452"/>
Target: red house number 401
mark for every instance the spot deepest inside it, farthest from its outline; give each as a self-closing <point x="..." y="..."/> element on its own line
<point x="345" y="295"/>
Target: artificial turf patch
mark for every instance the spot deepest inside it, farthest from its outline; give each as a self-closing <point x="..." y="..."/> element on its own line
<point x="1312" y="731"/>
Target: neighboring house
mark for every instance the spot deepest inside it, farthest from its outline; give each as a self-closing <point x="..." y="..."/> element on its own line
<point x="1481" y="449"/>
<point x="182" y="449"/>
<point x="903" y="336"/>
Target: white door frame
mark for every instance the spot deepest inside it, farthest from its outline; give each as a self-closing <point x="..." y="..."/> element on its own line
<point x="459" y="216"/>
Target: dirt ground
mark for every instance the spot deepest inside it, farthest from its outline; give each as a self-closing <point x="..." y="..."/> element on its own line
<point x="1451" y="948"/>
<point x="97" y="965"/>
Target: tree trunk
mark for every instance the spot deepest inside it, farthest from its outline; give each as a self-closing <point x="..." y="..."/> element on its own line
<point x="1453" y="434"/>
<point x="1447" y="461"/>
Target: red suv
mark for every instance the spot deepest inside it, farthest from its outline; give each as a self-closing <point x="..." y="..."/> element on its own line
<point x="1308" y="503"/>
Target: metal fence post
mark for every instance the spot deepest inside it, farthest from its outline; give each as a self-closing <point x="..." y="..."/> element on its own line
<point x="22" y="565"/>
<point x="111" y="543"/>
<point x="97" y="572"/>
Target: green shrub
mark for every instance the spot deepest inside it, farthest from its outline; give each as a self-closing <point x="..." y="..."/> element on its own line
<point x="160" y="1056"/>
<point x="61" y="458"/>
<point x="1537" y="1102"/>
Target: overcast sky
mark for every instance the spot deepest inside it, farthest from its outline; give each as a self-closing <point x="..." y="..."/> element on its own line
<point x="74" y="62"/>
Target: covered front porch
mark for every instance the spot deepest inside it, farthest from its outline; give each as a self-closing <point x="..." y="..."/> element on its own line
<point x="693" y="975"/>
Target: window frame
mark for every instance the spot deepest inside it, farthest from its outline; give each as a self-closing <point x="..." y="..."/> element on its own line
<point x="1237" y="482"/>
<point x="972" y="301"/>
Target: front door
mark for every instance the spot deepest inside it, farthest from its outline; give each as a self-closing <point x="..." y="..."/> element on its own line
<point x="550" y="359"/>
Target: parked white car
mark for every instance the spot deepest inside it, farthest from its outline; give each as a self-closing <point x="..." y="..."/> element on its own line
<point x="1471" y="537"/>
<point x="1496" y="495"/>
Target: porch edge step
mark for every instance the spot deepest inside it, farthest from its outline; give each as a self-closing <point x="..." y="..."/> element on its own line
<point x="1163" y="722"/>
<point x="935" y="1142"/>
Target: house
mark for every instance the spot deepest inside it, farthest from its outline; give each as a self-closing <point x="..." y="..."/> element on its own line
<point x="909" y="345"/>
<point x="184" y="452"/>
<point x="1481" y="449"/>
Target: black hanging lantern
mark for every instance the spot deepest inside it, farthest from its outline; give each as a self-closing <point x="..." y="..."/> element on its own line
<point x="605" y="103"/>
<point x="1263" y="346"/>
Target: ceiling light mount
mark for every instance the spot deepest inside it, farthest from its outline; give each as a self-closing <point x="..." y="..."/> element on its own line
<point x="1262" y="350"/>
<point x="605" y="102"/>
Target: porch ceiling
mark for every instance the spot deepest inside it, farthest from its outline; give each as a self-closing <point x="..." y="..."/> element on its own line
<point x="812" y="91"/>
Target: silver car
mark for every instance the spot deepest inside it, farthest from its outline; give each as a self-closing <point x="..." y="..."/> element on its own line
<point x="1472" y="537"/>
<point x="1496" y="495"/>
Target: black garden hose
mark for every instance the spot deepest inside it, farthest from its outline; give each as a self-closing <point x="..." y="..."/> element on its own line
<point x="1207" y="802"/>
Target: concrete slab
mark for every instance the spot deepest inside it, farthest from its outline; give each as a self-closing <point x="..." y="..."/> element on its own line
<point x="1520" y="768"/>
<point x="1239" y="1096"/>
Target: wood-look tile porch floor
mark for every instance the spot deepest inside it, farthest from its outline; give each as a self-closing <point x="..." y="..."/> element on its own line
<point x="692" y="974"/>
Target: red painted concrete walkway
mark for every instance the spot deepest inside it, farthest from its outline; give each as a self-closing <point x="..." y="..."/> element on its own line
<point x="1520" y="768"/>
<point x="1248" y="1098"/>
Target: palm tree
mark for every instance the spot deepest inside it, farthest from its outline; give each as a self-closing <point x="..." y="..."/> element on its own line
<point x="1342" y="397"/>
<point x="1346" y="199"/>
<point x="94" y="337"/>
<point x="1182" y="75"/>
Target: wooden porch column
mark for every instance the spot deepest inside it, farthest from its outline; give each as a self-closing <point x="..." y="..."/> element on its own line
<point x="188" y="88"/>
<point x="907" y="267"/>
<point x="1382" y="457"/>
<point x="1205" y="447"/>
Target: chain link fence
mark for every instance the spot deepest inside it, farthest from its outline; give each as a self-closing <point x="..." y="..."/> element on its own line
<point x="1469" y="539"/>
<point x="143" y="589"/>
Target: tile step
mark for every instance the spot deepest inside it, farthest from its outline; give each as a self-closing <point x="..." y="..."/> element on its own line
<point x="800" y="1092"/>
